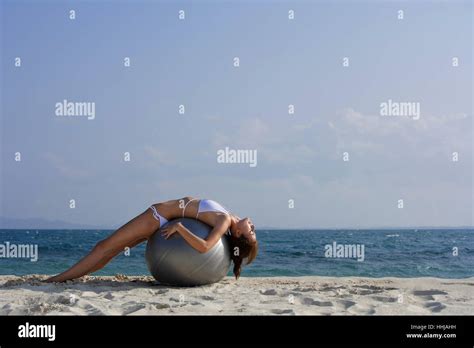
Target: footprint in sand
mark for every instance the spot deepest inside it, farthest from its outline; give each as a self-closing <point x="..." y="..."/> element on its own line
<point x="132" y="307"/>
<point x="157" y="292"/>
<point x="207" y="298"/>
<point x="6" y="309"/>
<point x="158" y="305"/>
<point x="268" y="292"/>
<point x="365" y="290"/>
<point x="109" y="296"/>
<point x="332" y="288"/>
<point x="303" y="289"/>
<point x="360" y="308"/>
<point x="346" y="303"/>
<point x="91" y="310"/>
<point x="182" y="302"/>
<point x="283" y="311"/>
<point x="384" y="299"/>
<point x="310" y="302"/>
<point x="369" y="311"/>
<point x="428" y="294"/>
<point x="435" y="307"/>
<point x="195" y="303"/>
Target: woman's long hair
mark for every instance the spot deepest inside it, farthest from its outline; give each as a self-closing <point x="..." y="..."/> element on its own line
<point x="242" y="248"/>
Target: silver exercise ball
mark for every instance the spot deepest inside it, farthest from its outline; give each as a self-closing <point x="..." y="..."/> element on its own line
<point x="173" y="261"/>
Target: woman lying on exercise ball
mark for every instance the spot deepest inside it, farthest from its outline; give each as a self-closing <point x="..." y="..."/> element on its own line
<point x="142" y="227"/>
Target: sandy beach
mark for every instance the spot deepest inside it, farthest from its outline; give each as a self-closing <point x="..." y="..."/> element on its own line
<point x="140" y="295"/>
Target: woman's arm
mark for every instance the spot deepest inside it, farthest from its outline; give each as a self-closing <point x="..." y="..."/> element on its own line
<point x="201" y="245"/>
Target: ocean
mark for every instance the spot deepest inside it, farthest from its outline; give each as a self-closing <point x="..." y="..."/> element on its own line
<point x="443" y="253"/>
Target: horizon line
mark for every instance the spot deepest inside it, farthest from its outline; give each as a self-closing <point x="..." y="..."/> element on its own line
<point x="269" y="228"/>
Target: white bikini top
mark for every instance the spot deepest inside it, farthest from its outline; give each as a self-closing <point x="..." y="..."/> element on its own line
<point x="206" y="205"/>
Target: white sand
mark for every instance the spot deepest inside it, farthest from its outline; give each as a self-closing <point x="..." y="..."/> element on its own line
<point x="121" y="295"/>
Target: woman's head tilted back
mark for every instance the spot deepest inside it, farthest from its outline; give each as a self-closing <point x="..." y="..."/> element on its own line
<point x="244" y="244"/>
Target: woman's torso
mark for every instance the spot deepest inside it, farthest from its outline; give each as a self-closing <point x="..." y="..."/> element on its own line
<point x="211" y="211"/>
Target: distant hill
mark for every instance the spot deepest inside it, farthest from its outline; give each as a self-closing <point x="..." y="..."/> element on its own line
<point x="43" y="224"/>
<point x="367" y="228"/>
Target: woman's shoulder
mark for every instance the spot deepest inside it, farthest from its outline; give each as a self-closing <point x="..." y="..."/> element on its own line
<point x="224" y="218"/>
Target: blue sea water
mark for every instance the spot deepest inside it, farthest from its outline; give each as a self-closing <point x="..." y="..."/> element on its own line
<point x="387" y="253"/>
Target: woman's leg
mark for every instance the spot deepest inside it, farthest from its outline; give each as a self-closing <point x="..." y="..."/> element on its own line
<point x="106" y="260"/>
<point x="133" y="232"/>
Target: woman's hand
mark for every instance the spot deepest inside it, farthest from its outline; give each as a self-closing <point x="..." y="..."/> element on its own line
<point x="171" y="229"/>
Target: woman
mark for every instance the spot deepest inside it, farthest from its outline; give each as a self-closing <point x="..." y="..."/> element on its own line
<point x="140" y="228"/>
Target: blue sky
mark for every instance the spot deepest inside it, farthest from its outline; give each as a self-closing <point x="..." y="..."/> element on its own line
<point x="282" y="62"/>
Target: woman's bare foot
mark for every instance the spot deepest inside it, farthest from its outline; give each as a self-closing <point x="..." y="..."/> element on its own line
<point x="52" y="280"/>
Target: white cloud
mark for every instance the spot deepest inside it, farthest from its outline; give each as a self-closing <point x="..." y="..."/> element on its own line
<point x="158" y="156"/>
<point x="289" y="154"/>
<point x="64" y="168"/>
<point x="432" y="133"/>
<point x="350" y="121"/>
<point x="249" y="134"/>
